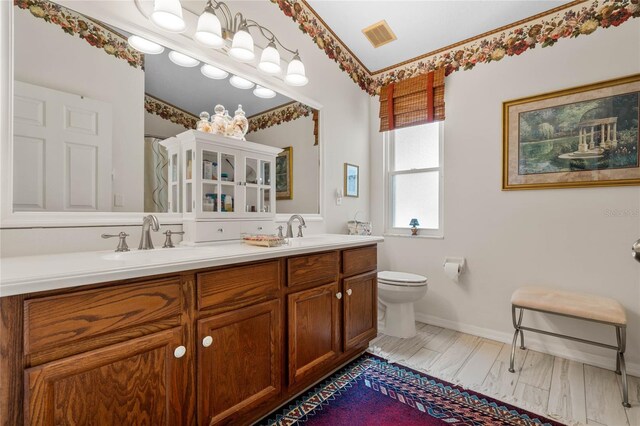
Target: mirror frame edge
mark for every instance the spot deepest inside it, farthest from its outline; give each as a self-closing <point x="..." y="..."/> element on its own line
<point x="10" y="219"/>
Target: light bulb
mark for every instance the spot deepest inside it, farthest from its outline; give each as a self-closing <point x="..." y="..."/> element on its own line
<point x="242" y="47"/>
<point x="145" y="46"/>
<point x="270" y="60"/>
<point x="240" y="83"/>
<point x="182" y="59"/>
<point x="263" y="92"/>
<point x="167" y="14"/>
<point x="209" y="30"/>
<point x="213" y="72"/>
<point x="296" y="75"/>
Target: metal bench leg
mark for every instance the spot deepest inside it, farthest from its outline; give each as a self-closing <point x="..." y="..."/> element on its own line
<point x="621" y="367"/>
<point x="516" y="325"/>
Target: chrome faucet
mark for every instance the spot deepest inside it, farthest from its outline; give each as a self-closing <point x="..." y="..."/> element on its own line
<point x="149" y="223"/>
<point x="290" y="222"/>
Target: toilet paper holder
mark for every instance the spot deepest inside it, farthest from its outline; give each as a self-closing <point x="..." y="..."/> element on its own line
<point x="459" y="260"/>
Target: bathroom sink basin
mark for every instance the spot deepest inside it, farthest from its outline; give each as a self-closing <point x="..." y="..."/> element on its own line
<point x="155" y="255"/>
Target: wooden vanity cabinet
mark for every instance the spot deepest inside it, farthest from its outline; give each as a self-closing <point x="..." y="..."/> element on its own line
<point x="224" y="345"/>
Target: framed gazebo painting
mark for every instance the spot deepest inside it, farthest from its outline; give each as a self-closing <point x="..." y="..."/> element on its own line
<point x="578" y="137"/>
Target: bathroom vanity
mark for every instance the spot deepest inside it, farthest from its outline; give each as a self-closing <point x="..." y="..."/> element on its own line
<point x="221" y="334"/>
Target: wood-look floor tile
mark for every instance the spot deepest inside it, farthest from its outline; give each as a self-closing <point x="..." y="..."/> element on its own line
<point x="448" y="364"/>
<point x="536" y="370"/>
<point x="633" y="413"/>
<point x="499" y="380"/>
<point x="442" y="340"/>
<point x="567" y="393"/>
<point x="479" y="363"/>
<point x="533" y="398"/>
<point x="423" y="359"/>
<point x="603" y="397"/>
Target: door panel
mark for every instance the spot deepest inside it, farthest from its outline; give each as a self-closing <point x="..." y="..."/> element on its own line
<point x="135" y="382"/>
<point x="240" y="368"/>
<point x="76" y="134"/>
<point x="314" y="332"/>
<point x="360" y="309"/>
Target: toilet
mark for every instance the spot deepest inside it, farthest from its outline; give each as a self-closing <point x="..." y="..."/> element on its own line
<point x="397" y="291"/>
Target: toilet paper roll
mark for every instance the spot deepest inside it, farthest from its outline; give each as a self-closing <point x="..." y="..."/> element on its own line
<point x="452" y="270"/>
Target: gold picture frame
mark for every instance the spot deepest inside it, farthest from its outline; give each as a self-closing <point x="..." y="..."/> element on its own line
<point x="284" y="174"/>
<point x="584" y="136"/>
<point x="351" y="180"/>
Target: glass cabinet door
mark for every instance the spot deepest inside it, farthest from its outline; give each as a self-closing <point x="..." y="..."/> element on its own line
<point x="174" y="183"/>
<point x="189" y="196"/>
<point x="266" y="196"/>
<point x="251" y="178"/>
<point x="228" y="179"/>
<point x="210" y="179"/>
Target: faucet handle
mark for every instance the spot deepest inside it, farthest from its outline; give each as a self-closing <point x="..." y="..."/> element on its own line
<point x="280" y="232"/>
<point x="122" y="242"/>
<point x="167" y="242"/>
<point x="300" y="230"/>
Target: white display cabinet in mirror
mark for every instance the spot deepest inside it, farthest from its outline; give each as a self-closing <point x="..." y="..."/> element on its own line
<point x="85" y="117"/>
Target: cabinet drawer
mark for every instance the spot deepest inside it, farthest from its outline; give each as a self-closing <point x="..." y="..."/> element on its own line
<point x="238" y="286"/>
<point x="319" y="268"/>
<point x="357" y="261"/>
<point x="57" y="320"/>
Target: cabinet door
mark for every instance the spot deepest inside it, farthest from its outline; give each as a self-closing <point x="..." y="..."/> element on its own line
<point x="360" y="309"/>
<point x="141" y="381"/>
<point x="238" y="361"/>
<point x="314" y="333"/>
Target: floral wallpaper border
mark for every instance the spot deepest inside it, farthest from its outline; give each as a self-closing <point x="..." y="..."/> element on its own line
<point x="543" y="31"/>
<point x="90" y="31"/>
<point x="279" y="115"/>
<point x="169" y="112"/>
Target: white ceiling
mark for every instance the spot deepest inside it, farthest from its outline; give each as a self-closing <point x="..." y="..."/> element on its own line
<point x="421" y="26"/>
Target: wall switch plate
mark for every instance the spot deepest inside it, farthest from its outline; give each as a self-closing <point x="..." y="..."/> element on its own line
<point x="118" y="200"/>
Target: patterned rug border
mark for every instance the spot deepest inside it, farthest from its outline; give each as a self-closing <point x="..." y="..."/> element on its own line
<point x="307" y="404"/>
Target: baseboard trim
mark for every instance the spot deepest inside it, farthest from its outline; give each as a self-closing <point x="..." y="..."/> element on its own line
<point x="555" y="349"/>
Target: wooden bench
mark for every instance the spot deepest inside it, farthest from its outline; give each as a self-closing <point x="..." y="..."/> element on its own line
<point x="582" y="306"/>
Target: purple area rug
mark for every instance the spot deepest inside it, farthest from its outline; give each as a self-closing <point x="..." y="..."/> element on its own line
<point x="370" y="391"/>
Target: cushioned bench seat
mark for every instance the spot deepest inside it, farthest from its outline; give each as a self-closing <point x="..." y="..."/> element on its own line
<point x="588" y="307"/>
<point x="569" y="303"/>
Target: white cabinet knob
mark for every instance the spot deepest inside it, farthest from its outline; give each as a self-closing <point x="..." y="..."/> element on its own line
<point x="220" y="230"/>
<point x="207" y="341"/>
<point x="179" y="351"/>
<point x="339" y="295"/>
<point x="349" y="291"/>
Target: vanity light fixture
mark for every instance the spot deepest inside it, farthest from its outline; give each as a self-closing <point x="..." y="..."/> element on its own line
<point x="241" y="83"/>
<point x="296" y="75"/>
<point x="145" y="46"/>
<point x="212" y="72"/>
<point x="270" y="60"/>
<point x="182" y="59"/>
<point x="167" y="14"/>
<point x="219" y="27"/>
<point x="263" y="92"/>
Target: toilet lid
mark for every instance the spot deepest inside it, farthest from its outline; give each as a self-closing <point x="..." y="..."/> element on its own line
<point x="401" y="278"/>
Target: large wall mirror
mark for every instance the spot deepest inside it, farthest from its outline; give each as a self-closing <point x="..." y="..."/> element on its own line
<point x="89" y="112"/>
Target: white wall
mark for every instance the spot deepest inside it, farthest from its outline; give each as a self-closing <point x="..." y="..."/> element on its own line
<point x="297" y="134"/>
<point x="155" y="125"/>
<point x="47" y="56"/>
<point x="562" y="238"/>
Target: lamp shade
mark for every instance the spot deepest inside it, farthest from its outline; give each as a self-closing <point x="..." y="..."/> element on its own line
<point x="296" y="75"/>
<point x="242" y="47"/>
<point x="263" y="92"/>
<point x="240" y="83"/>
<point x="270" y="60"/>
<point x="414" y="223"/>
<point x="145" y="46"/>
<point x="167" y="14"/>
<point x="212" y="72"/>
<point x="182" y="59"/>
<point x="209" y="30"/>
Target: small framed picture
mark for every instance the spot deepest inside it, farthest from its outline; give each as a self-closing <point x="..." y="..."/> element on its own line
<point x="351" y="180"/>
<point x="284" y="174"/>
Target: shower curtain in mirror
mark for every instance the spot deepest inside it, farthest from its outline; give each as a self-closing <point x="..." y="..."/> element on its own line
<point x="155" y="175"/>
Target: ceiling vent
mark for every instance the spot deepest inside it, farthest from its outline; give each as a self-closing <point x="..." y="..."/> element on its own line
<point x="379" y="33"/>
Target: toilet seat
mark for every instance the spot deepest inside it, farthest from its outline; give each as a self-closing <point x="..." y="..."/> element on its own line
<point x="401" y="279"/>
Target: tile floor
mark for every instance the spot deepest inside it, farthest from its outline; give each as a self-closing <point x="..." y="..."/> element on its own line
<point x="545" y="384"/>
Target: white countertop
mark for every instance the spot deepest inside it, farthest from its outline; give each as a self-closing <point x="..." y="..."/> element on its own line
<point x="30" y="274"/>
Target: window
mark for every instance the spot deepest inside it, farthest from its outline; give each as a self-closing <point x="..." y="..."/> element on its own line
<point x="414" y="179"/>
